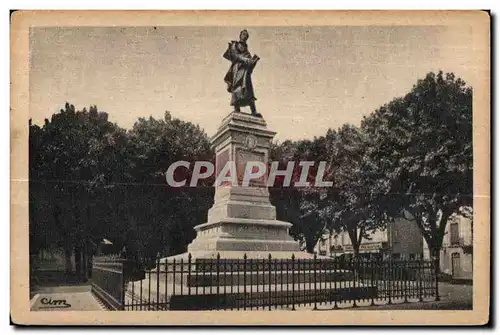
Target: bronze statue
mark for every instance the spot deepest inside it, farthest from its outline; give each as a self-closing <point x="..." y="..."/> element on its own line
<point x="239" y="76"/>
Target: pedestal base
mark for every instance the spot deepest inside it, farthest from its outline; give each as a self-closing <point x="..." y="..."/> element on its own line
<point x="244" y="290"/>
<point x="243" y="220"/>
<point x="244" y="235"/>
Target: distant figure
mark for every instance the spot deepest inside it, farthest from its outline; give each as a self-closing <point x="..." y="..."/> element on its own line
<point x="238" y="78"/>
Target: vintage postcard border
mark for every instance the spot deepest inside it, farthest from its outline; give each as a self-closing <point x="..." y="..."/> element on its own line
<point x="21" y="21"/>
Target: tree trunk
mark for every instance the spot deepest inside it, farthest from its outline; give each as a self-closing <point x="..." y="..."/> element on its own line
<point x="434" y="237"/>
<point x="355" y="248"/>
<point x="353" y="236"/>
<point x="310" y="244"/>
<point x="85" y="261"/>
<point x="436" y="258"/>
<point x="78" y="261"/>
<point x="67" y="258"/>
<point x="438" y="240"/>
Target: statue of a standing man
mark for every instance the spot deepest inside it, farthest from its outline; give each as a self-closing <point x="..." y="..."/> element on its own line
<point x="238" y="78"/>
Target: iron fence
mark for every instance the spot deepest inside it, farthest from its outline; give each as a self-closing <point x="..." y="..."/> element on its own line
<point x="108" y="280"/>
<point x="251" y="284"/>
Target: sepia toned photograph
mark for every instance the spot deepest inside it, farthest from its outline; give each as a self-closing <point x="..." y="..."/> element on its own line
<point x="240" y="167"/>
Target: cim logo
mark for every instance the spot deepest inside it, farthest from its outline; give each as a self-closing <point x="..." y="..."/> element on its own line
<point x="54" y="303"/>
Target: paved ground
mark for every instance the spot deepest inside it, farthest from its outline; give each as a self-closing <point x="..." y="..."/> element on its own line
<point x="79" y="298"/>
<point x="452" y="296"/>
<point x="67" y="298"/>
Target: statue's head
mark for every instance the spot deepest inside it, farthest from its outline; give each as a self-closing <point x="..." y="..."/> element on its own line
<point x="244" y="35"/>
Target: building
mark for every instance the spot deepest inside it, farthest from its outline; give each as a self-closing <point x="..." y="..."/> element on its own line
<point x="456" y="252"/>
<point x="401" y="239"/>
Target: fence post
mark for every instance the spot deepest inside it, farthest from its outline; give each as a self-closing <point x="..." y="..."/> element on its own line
<point x="224" y="279"/>
<point x="217" y="272"/>
<point x="389" y="280"/>
<point x="158" y="281"/>
<point x="203" y="265"/>
<point x="250" y="298"/>
<point x="269" y="279"/>
<point x="371" y="262"/>
<point x="166" y="283"/>
<point x="355" y="267"/>
<point x="315" y="282"/>
<point x="133" y="295"/>
<point x="173" y="277"/>
<point x="141" y="302"/>
<point x="281" y="279"/>
<point x="420" y="275"/>
<point x="122" y="298"/>
<point x="244" y="282"/>
<point x="275" y="283"/>
<point x="293" y="282"/>
<point x="336" y="274"/>
<point x="231" y="275"/>
<point x="182" y="276"/>
<point x="149" y="286"/>
<point x="436" y="275"/>
<point x="189" y="279"/>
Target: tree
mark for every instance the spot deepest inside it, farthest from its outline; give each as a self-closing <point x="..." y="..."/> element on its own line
<point x="421" y="148"/>
<point x="351" y="204"/>
<point x="166" y="215"/>
<point x="91" y="179"/>
<point x="300" y="205"/>
<point x="301" y="209"/>
<point x="72" y="156"/>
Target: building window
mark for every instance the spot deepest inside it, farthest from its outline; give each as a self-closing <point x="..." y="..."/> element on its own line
<point x="412" y="257"/>
<point x="454" y="236"/>
<point x="396" y="256"/>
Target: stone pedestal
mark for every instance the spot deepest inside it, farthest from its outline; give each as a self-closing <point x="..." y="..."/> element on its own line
<point x="242" y="219"/>
<point x="242" y="222"/>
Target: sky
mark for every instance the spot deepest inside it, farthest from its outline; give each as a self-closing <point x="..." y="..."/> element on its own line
<point x="309" y="79"/>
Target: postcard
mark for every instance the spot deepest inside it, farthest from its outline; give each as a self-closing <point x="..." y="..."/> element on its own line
<point x="250" y="167"/>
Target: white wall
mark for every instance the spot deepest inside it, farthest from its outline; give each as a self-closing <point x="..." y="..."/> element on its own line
<point x="406" y="238"/>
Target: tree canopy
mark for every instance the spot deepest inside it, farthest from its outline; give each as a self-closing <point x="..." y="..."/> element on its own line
<point x="421" y="148"/>
<point x="410" y="158"/>
<point x="90" y="179"/>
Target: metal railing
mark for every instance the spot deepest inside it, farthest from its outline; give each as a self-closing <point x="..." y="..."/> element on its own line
<point x="248" y="284"/>
<point x="108" y="280"/>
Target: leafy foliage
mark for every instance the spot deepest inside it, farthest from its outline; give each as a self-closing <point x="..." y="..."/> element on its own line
<point x="422" y="151"/>
<point x="351" y="205"/>
<point x="299" y="205"/>
<point x="91" y="179"/>
<point x="411" y="157"/>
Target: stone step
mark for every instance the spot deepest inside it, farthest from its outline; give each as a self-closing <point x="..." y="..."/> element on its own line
<point x="287" y="277"/>
<point x="238" y="265"/>
<point x="268" y="298"/>
<point x="247" y="277"/>
<point x="239" y="297"/>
